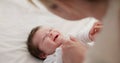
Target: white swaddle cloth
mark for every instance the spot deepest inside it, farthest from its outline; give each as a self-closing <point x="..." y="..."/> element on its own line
<point x="82" y="35"/>
<point x="54" y="58"/>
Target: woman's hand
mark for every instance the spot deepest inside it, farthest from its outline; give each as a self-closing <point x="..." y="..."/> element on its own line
<point x="73" y="51"/>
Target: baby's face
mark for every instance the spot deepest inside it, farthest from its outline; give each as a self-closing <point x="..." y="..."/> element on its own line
<point x="47" y="39"/>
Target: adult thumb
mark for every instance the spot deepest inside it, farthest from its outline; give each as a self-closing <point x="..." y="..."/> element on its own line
<point x="73" y="38"/>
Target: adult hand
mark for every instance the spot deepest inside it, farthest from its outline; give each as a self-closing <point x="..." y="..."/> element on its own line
<point x="73" y="51"/>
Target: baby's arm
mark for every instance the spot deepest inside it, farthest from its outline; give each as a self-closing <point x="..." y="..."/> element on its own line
<point x="89" y="32"/>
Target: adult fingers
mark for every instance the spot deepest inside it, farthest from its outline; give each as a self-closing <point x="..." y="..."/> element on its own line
<point x="73" y="39"/>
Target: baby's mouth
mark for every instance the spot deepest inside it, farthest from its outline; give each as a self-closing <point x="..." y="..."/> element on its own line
<point x="56" y="37"/>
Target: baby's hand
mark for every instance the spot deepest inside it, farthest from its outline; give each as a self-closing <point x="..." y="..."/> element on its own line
<point x="95" y="30"/>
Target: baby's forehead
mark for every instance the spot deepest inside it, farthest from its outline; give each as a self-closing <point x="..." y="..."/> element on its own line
<point x="42" y="31"/>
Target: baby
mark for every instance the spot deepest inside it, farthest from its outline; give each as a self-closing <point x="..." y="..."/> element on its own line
<point x="44" y="42"/>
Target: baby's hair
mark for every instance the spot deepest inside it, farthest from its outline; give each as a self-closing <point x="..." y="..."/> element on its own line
<point x="33" y="50"/>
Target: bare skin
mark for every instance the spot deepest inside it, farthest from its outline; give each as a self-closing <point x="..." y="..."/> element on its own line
<point x="77" y="9"/>
<point x="73" y="51"/>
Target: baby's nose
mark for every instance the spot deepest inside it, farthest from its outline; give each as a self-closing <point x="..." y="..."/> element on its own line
<point x="52" y="34"/>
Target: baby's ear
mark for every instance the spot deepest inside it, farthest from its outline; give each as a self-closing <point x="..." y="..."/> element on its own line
<point x="43" y="55"/>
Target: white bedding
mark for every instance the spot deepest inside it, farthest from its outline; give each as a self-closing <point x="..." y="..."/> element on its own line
<point x="17" y="18"/>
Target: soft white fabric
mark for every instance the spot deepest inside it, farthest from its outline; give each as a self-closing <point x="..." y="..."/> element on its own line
<point x="17" y="18"/>
<point x="55" y="58"/>
<point x="83" y="33"/>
